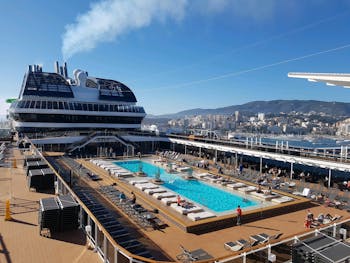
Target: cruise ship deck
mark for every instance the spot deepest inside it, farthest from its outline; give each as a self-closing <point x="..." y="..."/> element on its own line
<point x="164" y="244"/>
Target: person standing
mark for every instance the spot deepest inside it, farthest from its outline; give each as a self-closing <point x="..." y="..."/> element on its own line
<point x="239" y="215"/>
<point x="133" y="198"/>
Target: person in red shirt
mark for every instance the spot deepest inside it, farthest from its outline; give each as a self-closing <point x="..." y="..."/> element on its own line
<point x="239" y="215"/>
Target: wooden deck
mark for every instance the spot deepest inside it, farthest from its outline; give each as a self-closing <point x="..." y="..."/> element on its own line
<point x="19" y="239"/>
<point x="170" y="238"/>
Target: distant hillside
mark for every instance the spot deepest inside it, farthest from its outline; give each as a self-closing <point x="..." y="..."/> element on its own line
<point x="273" y="106"/>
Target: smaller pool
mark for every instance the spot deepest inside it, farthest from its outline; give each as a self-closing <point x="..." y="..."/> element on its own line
<point x="216" y="199"/>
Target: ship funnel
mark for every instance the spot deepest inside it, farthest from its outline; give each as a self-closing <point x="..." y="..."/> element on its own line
<point x="65" y="71"/>
<point x="57" y="67"/>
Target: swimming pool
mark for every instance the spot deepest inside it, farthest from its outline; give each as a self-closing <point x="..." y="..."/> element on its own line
<point x="212" y="197"/>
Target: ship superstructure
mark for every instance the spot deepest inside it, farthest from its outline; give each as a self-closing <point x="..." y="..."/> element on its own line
<point x="55" y="102"/>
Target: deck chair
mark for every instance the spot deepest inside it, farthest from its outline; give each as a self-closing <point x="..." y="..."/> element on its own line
<point x="260" y="238"/>
<point x="185" y="255"/>
<point x="233" y="246"/>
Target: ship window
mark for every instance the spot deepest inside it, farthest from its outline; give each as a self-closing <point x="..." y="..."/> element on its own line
<point x="49" y="105"/>
<point x="27" y="104"/>
<point x="77" y="106"/>
<point x="71" y="106"/>
<point x="55" y="105"/>
<point x="90" y="107"/>
<point x="65" y="105"/>
<point x="37" y="104"/>
<point x="95" y="107"/>
<point x="60" y="105"/>
<point x="84" y="106"/>
<point x="31" y="104"/>
<point x="43" y="105"/>
<point x="21" y="104"/>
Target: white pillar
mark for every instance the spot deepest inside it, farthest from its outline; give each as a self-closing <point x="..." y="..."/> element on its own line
<point x="216" y="155"/>
<point x="105" y="259"/>
<point x="200" y="151"/>
<point x="236" y="160"/>
<point x="329" y="178"/>
<point x="346" y="153"/>
<point x="185" y="149"/>
<point x="291" y="171"/>
<point x="261" y="165"/>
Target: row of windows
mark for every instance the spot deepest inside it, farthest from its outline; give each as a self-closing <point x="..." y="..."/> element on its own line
<point x="64" y="118"/>
<point x="64" y="105"/>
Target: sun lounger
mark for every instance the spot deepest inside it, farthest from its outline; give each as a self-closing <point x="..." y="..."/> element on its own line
<point x="168" y="200"/>
<point x="203" y="175"/>
<point x="265" y="197"/>
<point x="233" y="246"/>
<point x="200" y="215"/>
<point x="247" y="189"/>
<point x="306" y="192"/>
<point x="239" y="244"/>
<point x="260" y="238"/>
<point x="272" y="237"/>
<point x="182" y="169"/>
<point x="134" y="182"/>
<point x="283" y="199"/>
<point x="122" y="174"/>
<point x="236" y="185"/>
<point x="186" y="210"/>
<point x="155" y="190"/>
<point x="146" y="186"/>
<point x="163" y="195"/>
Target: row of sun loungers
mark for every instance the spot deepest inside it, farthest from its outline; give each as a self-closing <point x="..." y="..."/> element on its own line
<point x="171" y="155"/>
<point x="112" y="168"/>
<point x="255" y="240"/>
<point x="169" y="198"/>
<point x="244" y="188"/>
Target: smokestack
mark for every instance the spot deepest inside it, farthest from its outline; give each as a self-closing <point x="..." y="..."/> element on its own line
<point x="57" y="67"/>
<point x="61" y="70"/>
<point x="65" y="71"/>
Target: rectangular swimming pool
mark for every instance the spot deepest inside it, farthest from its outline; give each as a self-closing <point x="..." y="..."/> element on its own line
<point x="217" y="200"/>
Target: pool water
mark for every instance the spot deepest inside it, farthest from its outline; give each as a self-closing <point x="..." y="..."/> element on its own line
<point x="213" y="198"/>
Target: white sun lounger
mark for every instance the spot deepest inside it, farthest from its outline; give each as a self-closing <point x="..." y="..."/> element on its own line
<point x="182" y="169"/>
<point x="146" y="186"/>
<point x="168" y="200"/>
<point x="201" y="175"/>
<point x="122" y="174"/>
<point x="236" y="185"/>
<point x="264" y="196"/>
<point x="283" y="199"/>
<point x="185" y="211"/>
<point x="200" y="215"/>
<point x="164" y="195"/>
<point x="247" y="189"/>
<point x="133" y="182"/>
<point x="306" y="192"/>
<point x="155" y="190"/>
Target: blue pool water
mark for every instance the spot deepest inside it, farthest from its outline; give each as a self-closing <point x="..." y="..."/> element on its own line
<point x="214" y="198"/>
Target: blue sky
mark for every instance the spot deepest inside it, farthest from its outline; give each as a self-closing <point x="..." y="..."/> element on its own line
<point x="168" y="50"/>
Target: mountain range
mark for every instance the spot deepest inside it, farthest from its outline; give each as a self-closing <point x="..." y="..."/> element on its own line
<point x="273" y="106"/>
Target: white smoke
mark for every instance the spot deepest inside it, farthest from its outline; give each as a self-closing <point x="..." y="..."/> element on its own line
<point x="108" y="19"/>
